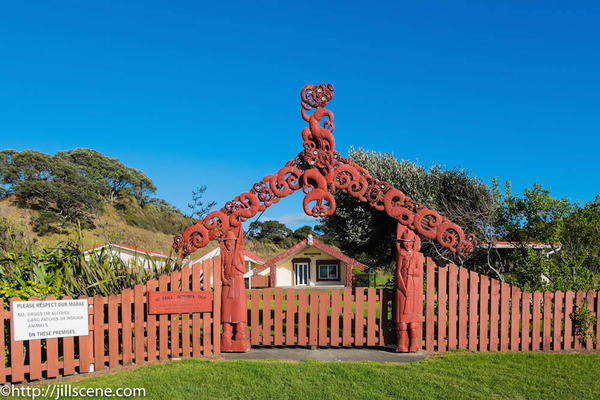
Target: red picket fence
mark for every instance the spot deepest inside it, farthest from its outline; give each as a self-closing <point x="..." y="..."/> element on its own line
<point x="338" y="317"/>
<point x="121" y="332"/>
<point x="466" y="310"/>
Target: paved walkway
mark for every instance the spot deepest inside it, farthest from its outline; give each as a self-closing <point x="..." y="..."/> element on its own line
<point x="301" y="354"/>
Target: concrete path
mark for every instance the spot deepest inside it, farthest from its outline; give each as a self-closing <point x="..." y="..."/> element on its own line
<point x="301" y="354"/>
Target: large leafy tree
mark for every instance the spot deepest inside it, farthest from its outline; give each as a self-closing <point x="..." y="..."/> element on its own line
<point x="368" y="234"/>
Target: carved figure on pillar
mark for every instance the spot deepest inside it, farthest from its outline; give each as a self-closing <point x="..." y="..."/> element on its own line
<point x="409" y="290"/>
<point x="233" y="296"/>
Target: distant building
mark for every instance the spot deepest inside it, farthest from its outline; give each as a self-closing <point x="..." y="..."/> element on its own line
<point x="309" y="264"/>
<point x="132" y="256"/>
<point x="252" y="262"/>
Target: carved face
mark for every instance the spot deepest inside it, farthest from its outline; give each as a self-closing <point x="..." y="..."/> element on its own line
<point x="230" y="244"/>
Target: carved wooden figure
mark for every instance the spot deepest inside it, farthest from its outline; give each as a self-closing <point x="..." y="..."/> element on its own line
<point x="233" y="295"/>
<point x="409" y="290"/>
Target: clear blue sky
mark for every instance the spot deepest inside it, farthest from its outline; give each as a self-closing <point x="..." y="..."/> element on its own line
<point x="198" y="94"/>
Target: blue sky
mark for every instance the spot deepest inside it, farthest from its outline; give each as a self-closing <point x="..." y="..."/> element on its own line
<point x="200" y="94"/>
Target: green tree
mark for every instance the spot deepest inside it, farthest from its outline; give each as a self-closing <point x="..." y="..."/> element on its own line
<point x="368" y="235"/>
<point x="270" y="231"/>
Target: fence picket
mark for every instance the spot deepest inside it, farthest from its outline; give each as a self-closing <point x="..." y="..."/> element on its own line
<point x="163" y="330"/>
<point x="473" y="310"/>
<point x="35" y="354"/>
<point x="302" y="307"/>
<point x="430" y="305"/>
<point x="452" y="303"/>
<point x="126" y="332"/>
<point x="547" y="334"/>
<point x="254" y="317"/>
<point x="536" y="321"/>
<point x="347" y="318"/>
<point x="484" y="297"/>
<point x="494" y="315"/>
<point x="525" y="321"/>
<point x="371" y="327"/>
<point x="151" y="324"/>
<point x="186" y="349"/>
<point x="175" y="350"/>
<point x="590" y="305"/>
<point x="335" y="318"/>
<point x="359" y="321"/>
<point x="558" y="306"/>
<point x="278" y="316"/>
<point x="197" y="325"/>
<point x="504" y="315"/>
<point x="216" y="320"/>
<point x="323" y="306"/>
<point x="140" y="335"/>
<point x="515" y="318"/>
<point x="98" y="333"/>
<point x="314" y="314"/>
<point x="568" y="339"/>
<point x="290" y="315"/>
<point x="462" y="307"/>
<point x="113" y="331"/>
<point x="442" y="342"/>
<point x="207" y="267"/>
<point x="579" y="302"/>
<point x="267" y="317"/>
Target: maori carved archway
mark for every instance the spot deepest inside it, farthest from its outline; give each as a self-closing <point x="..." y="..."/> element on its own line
<point x="318" y="170"/>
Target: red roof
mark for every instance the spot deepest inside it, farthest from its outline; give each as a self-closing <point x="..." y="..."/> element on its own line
<point x="319" y="245"/>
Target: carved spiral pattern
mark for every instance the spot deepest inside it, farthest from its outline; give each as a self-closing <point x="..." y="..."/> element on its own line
<point x="319" y="171"/>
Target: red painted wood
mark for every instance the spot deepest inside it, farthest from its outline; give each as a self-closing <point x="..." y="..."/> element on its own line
<point x="504" y="315"/>
<point x="34" y="349"/>
<point x="17" y="355"/>
<point x="336" y="299"/>
<point x="99" y="358"/>
<point x="254" y="317"/>
<point x="452" y="306"/>
<point x="371" y="327"/>
<point x="267" y="340"/>
<point x="197" y="325"/>
<point x="463" y="299"/>
<point x="314" y="314"/>
<point x="302" y="307"/>
<point x="536" y="321"/>
<point x="138" y="298"/>
<point x="323" y="306"/>
<point x="186" y="348"/>
<point x="151" y="324"/>
<point x="383" y="317"/>
<point x="207" y="268"/>
<point x="568" y="337"/>
<point x="589" y="345"/>
<point x="347" y="317"/>
<point x="548" y="309"/>
<point x="430" y="305"/>
<point x="4" y="371"/>
<point x="359" y="321"/>
<point x="494" y="314"/>
<point x="126" y="326"/>
<point x="525" y="321"/>
<point x="515" y="318"/>
<point x="579" y="302"/>
<point x="175" y="322"/>
<point x="484" y="317"/>
<point x="163" y="341"/>
<point x="442" y="342"/>
<point x="278" y="316"/>
<point x="113" y="331"/>
<point x="558" y="317"/>
<point x="473" y="309"/>
<point x="597" y="320"/>
<point x="216" y="321"/>
<point x="68" y="353"/>
<point x="290" y="315"/>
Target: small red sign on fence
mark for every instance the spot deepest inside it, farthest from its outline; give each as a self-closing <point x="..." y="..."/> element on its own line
<point x="179" y="302"/>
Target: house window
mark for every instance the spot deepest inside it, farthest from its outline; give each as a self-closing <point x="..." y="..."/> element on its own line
<point x="328" y="270"/>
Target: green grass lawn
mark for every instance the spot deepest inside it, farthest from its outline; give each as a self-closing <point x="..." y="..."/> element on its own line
<point x="455" y="375"/>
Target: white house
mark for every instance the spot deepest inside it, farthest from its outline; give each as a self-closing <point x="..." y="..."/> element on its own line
<point x="132" y="256"/>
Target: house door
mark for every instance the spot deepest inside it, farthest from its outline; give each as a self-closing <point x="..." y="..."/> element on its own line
<point x="300" y="274"/>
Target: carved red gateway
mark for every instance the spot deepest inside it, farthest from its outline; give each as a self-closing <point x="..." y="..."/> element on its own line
<point x="319" y="171"/>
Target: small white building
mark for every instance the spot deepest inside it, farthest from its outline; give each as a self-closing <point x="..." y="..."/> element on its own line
<point x="252" y="263"/>
<point x="132" y="256"/>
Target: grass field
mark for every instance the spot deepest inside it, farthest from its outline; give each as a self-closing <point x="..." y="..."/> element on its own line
<point x="454" y="376"/>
